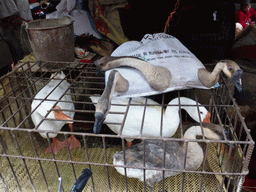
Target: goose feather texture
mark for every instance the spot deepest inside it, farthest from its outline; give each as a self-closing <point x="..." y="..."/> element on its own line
<point x="54" y="93"/>
<point x="174" y="155"/>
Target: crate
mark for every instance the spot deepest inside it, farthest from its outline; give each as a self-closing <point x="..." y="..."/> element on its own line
<point x="26" y="167"/>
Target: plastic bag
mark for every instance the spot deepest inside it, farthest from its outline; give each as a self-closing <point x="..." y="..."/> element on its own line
<point x="161" y="50"/>
<point x="83" y="23"/>
<point x="66" y="5"/>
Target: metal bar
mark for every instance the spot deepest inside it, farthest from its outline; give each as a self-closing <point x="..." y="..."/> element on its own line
<point x="125" y="170"/>
<point x="88" y="160"/>
<point x="144" y="171"/>
<point x="125" y="116"/>
<point x="143" y="117"/>
<point x="13" y="172"/>
<point x="105" y="151"/>
<point x="222" y="184"/>
<point x="130" y="137"/>
<point x="53" y="156"/>
<point x="7" y="96"/>
<point x="39" y="162"/>
<point x="110" y="165"/>
<point x="10" y="165"/>
<point x="83" y="78"/>
<point x="70" y="157"/>
<point x="164" y="156"/>
<point x="16" y="111"/>
<point x="23" y="160"/>
<point x="6" y="188"/>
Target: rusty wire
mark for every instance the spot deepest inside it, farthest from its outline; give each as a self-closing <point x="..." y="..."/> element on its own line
<point x="20" y="87"/>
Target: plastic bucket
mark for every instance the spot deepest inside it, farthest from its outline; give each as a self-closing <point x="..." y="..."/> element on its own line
<point x="52" y="39"/>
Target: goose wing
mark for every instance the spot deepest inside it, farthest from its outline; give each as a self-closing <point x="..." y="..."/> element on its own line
<point x="154" y="155"/>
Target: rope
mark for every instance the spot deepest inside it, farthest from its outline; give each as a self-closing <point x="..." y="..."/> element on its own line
<point x="171" y="15"/>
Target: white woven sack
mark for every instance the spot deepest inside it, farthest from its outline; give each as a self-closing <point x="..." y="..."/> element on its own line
<point x="162" y="50"/>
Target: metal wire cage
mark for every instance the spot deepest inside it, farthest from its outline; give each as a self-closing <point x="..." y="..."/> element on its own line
<point x="26" y="167"/>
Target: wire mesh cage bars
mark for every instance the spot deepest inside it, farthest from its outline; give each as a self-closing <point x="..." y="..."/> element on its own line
<point x="26" y="167"/>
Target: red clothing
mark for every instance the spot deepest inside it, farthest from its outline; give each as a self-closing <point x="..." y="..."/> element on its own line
<point x="245" y="18"/>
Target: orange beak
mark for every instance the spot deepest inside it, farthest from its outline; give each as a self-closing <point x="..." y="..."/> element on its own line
<point x="207" y="118"/>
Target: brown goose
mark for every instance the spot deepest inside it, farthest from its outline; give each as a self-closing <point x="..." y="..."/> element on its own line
<point x="158" y="77"/>
<point x="174" y="155"/>
<point x="229" y="68"/>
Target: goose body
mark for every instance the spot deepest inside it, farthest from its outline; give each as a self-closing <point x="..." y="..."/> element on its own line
<point x="174" y="155"/>
<point x="47" y="100"/>
<point x="152" y="119"/>
<point x="160" y="78"/>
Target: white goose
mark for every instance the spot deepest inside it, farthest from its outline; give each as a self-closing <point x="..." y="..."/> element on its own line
<point x="47" y="100"/>
<point x="152" y="119"/>
<point x="174" y="155"/>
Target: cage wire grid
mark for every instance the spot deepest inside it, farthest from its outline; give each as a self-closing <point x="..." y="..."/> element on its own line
<point x="26" y="167"/>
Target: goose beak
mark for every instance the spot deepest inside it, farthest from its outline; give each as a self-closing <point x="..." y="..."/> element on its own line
<point x="228" y="138"/>
<point x="98" y="69"/>
<point x="237" y="79"/>
<point x="99" y="119"/>
<point x="207" y="118"/>
<point x="81" y="181"/>
<point x="96" y="63"/>
<point x="226" y="134"/>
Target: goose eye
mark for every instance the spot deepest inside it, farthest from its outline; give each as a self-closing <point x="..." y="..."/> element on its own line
<point x="201" y="112"/>
<point x="230" y="68"/>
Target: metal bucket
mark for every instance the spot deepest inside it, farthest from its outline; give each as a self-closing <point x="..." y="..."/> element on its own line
<point x="52" y="39"/>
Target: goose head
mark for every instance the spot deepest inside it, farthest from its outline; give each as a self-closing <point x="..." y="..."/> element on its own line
<point x="234" y="72"/>
<point x="116" y="84"/>
<point x="230" y="68"/>
<point x="203" y="115"/>
<point x="200" y="114"/>
<point x="104" y="63"/>
<point x="211" y="131"/>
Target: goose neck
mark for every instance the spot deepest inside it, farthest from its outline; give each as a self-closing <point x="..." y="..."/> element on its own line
<point x="194" y="155"/>
<point x="110" y="88"/>
<point x="193" y="161"/>
<point x="130" y="62"/>
<point x="192" y="132"/>
<point x="217" y="69"/>
<point x="176" y="104"/>
<point x="171" y="113"/>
